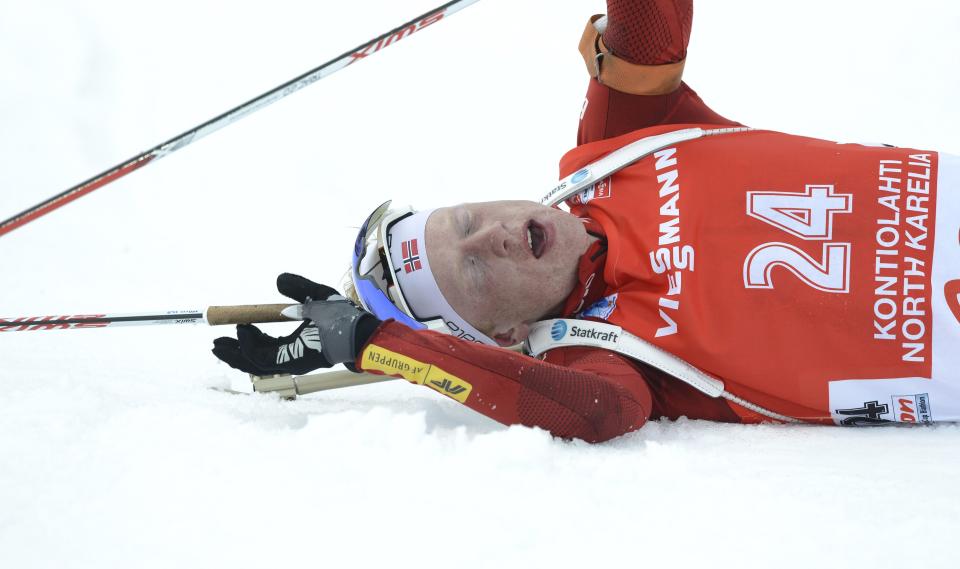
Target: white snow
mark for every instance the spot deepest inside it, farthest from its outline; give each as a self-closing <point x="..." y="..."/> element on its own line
<point x="114" y="452"/>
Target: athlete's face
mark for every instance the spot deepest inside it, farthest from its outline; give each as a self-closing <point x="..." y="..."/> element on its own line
<point x="503" y="265"/>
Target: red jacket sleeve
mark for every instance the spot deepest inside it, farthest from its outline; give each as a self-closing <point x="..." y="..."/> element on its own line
<point x="649" y="32"/>
<point x="591" y="395"/>
<point x="644" y="32"/>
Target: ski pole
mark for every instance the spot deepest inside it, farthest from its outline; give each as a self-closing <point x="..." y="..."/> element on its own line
<point x="233" y="115"/>
<point x="290" y="386"/>
<point x="214" y="316"/>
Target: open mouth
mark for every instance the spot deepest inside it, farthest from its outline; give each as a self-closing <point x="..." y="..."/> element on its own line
<point x="536" y="238"/>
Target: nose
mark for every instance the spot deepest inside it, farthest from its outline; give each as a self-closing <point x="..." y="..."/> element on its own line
<point x="492" y="238"/>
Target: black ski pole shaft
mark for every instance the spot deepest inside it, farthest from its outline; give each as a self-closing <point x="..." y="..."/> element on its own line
<point x="176" y="143"/>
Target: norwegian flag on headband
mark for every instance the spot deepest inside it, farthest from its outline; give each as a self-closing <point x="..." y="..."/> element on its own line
<point x="411" y="256"/>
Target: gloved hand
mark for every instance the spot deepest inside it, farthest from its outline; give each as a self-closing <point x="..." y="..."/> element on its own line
<point x="333" y="331"/>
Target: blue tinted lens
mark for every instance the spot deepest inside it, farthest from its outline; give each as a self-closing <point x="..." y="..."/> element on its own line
<point x="380" y="305"/>
<point x="375" y="299"/>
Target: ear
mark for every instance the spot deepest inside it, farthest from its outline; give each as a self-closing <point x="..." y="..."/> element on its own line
<point x="512" y="336"/>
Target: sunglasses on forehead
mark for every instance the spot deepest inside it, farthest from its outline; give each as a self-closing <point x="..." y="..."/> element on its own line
<point x="367" y="253"/>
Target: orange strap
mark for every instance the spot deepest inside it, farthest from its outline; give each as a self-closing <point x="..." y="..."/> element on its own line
<point x="621" y="75"/>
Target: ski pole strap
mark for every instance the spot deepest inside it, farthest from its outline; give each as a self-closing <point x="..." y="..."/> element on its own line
<point x="623" y="157"/>
<point x="548" y="335"/>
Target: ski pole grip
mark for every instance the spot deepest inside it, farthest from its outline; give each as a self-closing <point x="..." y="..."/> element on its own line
<point x="246" y="314"/>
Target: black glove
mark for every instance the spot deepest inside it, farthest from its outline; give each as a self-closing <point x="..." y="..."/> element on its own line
<point x="333" y="332"/>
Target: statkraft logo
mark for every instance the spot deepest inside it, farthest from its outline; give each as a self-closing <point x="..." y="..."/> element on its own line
<point x="952" y="291"/>
<point x="558" y="330"/>
<point x="580" y="176"/>
<point x="593" y="334"/>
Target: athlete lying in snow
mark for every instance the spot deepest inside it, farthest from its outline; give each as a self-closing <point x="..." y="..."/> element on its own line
<point x="846" y="258"/>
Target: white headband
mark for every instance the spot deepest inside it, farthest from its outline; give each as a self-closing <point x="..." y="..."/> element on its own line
<point x="406" y="241"/>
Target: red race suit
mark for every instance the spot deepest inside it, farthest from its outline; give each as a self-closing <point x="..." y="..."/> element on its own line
<point x="818" y="280"/>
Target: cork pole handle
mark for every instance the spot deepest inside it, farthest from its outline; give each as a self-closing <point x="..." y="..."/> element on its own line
<point x="246" y="314"/>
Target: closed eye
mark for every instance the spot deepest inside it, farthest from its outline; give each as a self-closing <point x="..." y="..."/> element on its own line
<point x="473" y="267"/>
<point x="467" y="223"/>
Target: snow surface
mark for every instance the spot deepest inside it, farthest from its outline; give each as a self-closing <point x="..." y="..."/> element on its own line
<point x="114" y="452"/>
